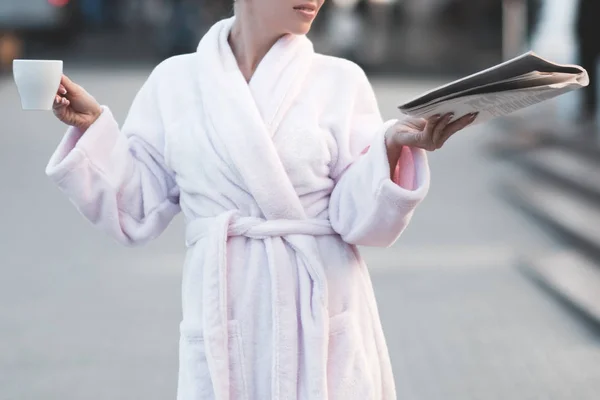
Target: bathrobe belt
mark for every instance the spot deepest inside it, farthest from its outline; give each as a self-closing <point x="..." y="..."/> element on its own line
<point x="299" y="234"/>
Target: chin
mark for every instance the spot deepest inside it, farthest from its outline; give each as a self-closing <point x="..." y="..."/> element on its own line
<point x="300" y="29"/>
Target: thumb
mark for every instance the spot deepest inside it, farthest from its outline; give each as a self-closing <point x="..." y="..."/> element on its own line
<point x="417" y="124"/>
<point x="410" y="139"/>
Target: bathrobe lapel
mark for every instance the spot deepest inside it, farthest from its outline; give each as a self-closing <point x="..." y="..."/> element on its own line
<point x="247" y="116"/>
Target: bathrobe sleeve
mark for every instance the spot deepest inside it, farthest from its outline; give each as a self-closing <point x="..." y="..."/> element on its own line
<point x="367" y="207"/>
<point x="118" y="178"/>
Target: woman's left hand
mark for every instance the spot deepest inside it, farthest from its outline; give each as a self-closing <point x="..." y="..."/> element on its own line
<point x="429" y="134"/>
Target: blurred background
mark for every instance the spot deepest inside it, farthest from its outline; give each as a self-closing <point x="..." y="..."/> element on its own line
<point x="493" y="292"/>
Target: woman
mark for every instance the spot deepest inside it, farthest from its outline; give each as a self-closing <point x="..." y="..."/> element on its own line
<point x="281" y="163"/>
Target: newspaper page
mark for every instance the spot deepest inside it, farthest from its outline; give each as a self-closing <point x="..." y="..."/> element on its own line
<point x="501" y="90"/>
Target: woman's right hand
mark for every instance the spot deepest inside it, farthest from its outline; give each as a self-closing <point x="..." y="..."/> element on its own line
<point x="74" y="106"/>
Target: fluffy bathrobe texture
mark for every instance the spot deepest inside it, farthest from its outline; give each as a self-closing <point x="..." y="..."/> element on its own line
<point x="278" y="179"/>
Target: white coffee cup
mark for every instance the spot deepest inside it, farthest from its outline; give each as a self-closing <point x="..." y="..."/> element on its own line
<point x="37" y="82"/>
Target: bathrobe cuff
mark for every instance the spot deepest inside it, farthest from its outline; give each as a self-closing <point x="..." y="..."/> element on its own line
<point x="367" y="207"/>
<point x="411" y="178"/>
<point x="96" y="144"/>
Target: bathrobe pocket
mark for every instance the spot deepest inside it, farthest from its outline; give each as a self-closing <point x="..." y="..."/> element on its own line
<point x="194" y="378"/>
<point x="348" y="376"/>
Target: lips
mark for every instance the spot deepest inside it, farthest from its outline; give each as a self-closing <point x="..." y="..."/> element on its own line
<point x="307" y="7"/>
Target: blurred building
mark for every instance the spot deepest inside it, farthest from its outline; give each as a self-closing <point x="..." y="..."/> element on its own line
<point x="398" y="36"/>
<point x="28" y="19"/>
<point x="414" y="36"/>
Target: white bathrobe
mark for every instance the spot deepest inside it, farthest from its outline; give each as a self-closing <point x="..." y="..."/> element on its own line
<point x="278" y="179"/>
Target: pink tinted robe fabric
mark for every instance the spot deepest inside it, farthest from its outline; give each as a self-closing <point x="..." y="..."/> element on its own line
<point x="278" y="179"/>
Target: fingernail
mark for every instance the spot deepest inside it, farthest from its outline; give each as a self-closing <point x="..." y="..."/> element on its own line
<point x="64" y="91"/>
<point x="450" y="116"/>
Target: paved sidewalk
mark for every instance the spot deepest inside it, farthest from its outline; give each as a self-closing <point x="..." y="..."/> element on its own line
<point x="484" y="333"/>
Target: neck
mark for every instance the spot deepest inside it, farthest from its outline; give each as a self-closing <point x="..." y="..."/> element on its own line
<point x="248" y="44"/>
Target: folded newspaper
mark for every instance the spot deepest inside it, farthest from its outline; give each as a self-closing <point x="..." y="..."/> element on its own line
<point x="503" y="89"/>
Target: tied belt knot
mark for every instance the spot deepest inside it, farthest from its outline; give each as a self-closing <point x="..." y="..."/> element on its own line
<point x="257" y="228"/>
<point x="299" y="234"/>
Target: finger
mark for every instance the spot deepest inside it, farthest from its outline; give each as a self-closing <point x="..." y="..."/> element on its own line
<point x="59" y="109"/>
<point x="68" y="84"/>
<point x="431" y="124"/>
<point x="439" y="119"/>
<point x="60" y="102"/>
<point x="424" y="138"/>
<point x="62" y="90"/>
<point x="458" y="125"/>
<point x="434" y="118"/>
<point x="461" y="123"/>
<point x="57" y="101"/>
<point x="440" y="128"/>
